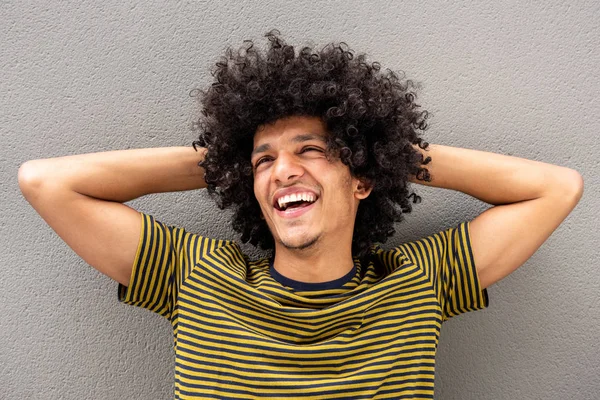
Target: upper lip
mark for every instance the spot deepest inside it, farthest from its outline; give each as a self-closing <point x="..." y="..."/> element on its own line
<point x="291" y="190"/>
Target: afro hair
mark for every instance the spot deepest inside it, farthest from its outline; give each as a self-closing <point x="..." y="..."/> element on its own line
<point x="371" y="118"/>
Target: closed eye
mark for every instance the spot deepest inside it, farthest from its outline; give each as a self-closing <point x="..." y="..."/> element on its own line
<point x="260" y="160"/>
<point x="311" y="148"/>
<point x="304" y="149"/>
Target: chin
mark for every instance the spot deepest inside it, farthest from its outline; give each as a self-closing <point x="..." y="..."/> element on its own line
<point x="296" y="243"/>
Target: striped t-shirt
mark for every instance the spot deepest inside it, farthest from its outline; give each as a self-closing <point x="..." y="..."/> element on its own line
<point x="243" y="331"/>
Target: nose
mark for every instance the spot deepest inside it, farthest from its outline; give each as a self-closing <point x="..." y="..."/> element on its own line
<point x="286" y="167"/>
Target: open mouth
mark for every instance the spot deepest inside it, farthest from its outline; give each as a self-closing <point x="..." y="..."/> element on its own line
<point x="295" y="201"/>
<point x="293" y="204"/>
<point x="294" y="210"/>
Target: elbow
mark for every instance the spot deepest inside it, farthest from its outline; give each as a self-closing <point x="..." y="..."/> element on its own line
<point x="566" y="185"/>
<point x="576" y="182"/>
<point x="29" y="177"/>
<point x="572" y="186"/>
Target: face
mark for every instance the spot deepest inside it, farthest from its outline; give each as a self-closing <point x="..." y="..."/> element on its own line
<point x="306" y="199"/>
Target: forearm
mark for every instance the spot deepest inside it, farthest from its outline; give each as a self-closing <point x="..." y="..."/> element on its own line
<point x="120" y="175"/>
<point x="493" y="178"/>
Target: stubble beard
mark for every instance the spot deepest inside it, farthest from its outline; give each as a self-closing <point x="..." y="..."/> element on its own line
<point x="304" y="245"/>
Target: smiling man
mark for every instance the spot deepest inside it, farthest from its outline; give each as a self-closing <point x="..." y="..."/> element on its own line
<point x="314" y="153"/>
<point x="308" y="201"/>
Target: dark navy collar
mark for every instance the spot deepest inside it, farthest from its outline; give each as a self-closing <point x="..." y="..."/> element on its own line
<point x="310" y="286"/>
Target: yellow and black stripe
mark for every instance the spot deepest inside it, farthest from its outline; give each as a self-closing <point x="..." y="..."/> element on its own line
<point x="242" y="331"/>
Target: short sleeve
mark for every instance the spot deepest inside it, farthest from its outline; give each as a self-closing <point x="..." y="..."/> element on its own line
<point x="164" y="258"/>
<point x="447" y="260"/>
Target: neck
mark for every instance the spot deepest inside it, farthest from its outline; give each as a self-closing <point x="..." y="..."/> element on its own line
<point x="313" y="265"/>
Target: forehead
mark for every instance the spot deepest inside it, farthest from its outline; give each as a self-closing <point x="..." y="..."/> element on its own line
<point x="288" y="128"/>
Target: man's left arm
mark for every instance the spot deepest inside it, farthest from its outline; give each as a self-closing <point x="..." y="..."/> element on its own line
<point x="530" y="198"/>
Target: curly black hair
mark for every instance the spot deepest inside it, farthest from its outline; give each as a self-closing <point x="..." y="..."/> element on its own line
<point x="371" y="117"/>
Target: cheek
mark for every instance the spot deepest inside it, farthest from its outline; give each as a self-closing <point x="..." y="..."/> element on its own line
<point x="260" y="191"/>
<point x="255" y="191"/>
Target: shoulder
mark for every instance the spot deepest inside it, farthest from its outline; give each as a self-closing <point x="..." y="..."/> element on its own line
<point x="385" y="261"/>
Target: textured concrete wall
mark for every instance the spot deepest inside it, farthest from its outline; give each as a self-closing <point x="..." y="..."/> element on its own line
<point x="508" y="77"/>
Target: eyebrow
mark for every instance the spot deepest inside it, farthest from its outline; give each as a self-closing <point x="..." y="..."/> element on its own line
<point x="297" y="139"/>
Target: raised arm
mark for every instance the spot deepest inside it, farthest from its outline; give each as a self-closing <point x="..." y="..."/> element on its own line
<point x="531" y="200"/>
<point x="80" y="197"/>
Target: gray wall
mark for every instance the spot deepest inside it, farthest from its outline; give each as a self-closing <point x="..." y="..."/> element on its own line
<point x="507" y="77"/>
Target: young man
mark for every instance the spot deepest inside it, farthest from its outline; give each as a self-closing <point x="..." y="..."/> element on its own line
<point x="314" y="153"/>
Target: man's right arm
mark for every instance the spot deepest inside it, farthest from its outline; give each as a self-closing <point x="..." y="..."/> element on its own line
<point x="80" y="197"/>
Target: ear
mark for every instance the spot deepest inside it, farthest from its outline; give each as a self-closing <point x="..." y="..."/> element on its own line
<point x="363" y="189"/>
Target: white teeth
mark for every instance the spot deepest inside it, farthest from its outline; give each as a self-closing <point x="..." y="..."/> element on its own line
<point x="284" y="200"/>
